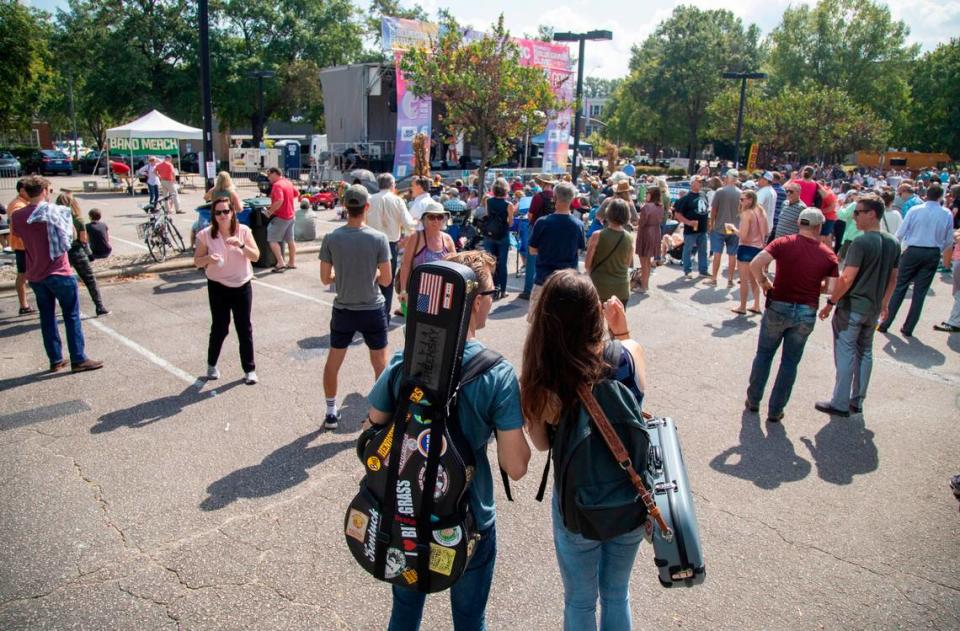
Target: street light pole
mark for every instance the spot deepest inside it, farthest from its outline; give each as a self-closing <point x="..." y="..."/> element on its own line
<point x="742" y="76"/>
<point x="73" y="120"/>
<point x="581" y="38"/>
<point x="208" y="158"/>
<point x="260" y="75"/>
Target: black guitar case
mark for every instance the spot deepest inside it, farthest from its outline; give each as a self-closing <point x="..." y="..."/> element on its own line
<point x="410" y="524"/>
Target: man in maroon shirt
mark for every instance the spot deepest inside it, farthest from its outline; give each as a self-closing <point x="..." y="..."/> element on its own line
<point x="804" y="267"/>
<point x="52" y="281"/>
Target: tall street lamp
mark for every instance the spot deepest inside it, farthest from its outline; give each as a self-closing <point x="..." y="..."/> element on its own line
<point x="260" y="75"/>
<point x="742" y="76"/>
<point x="209" y="166"/>
<point x="581" y="38"/>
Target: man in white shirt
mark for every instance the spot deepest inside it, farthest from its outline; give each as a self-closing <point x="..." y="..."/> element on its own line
<point x="420" y="186"/>
<point x="766" y="196"/>
<point x="388" y="214"/>
<point x="153" y="180"/>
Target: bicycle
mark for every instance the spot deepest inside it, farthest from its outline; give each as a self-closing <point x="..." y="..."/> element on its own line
<point x="159" y="232"/>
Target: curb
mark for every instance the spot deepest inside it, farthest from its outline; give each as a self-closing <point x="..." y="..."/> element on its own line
<point x="152" y="268"/>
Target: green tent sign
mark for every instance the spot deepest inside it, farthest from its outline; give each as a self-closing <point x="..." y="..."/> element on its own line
<point x="144" y="146"/>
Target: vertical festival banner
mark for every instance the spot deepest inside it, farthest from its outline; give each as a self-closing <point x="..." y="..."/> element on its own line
<point x="414" y="113"/>
<point x="554" y="59"/>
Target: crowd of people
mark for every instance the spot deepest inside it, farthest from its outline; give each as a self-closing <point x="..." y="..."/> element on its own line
<point x="789" y="238"/>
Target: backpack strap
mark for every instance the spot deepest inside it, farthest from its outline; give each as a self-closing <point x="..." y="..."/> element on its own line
<point x="472" y="370"/>
<point x="623" y="458"/>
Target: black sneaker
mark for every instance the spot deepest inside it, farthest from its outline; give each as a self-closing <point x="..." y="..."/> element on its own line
<point x="827" y="408"/>
<point x="523" y="296"/>
<point x="331" y="421"/>
<point x="102" y="311"/>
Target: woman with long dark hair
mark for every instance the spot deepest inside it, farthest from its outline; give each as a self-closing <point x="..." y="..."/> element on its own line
<point x="79" y="252"/>
<point x="225" y="250"/>
<point x="565" y="350"/>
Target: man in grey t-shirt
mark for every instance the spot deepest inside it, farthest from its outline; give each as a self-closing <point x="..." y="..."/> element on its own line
<point x="725" y="209"/>
<point x="356" y="258"/>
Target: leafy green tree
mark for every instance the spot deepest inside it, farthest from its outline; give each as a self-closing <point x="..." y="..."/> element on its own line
<point x="676" y="71"/>
<point x="294" y="38"/>
<point x="631" y="118"/>
<point x="595" y="87"/>
<point x="853" y="45"/>
<point x="934" y="121"/>
<point x="27" y="73"/>
<point x="487" y="93"/>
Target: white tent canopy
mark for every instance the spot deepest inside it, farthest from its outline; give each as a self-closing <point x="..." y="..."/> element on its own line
<point x="155" y="125"/>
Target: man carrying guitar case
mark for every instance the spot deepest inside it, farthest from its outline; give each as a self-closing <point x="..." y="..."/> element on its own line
<point x="424" y="517"/>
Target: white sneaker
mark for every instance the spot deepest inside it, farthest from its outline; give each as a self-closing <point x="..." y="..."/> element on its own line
<point x="213" y="373"/>
<point x="250" y="378"/>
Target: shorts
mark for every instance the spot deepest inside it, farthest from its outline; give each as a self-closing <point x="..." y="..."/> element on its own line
<point x="719" y="240"/>
<point x="372" y="324"/>
<point x="746" y="253"/>
<point x="280" y="230"/>
<point x="826" y="230"/>
<point x="21" y="256"/>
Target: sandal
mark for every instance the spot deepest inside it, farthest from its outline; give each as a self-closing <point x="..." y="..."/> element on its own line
<point x="756" y="311"/>
<point x="739" y="311"/>
<point x="279" y="270"/>
<point x="291" y="267"/>
<point x="26" y="310"/>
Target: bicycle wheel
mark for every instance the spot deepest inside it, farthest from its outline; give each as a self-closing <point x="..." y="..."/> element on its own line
<point x="157" y="244"/>
<point x="175" y="237"/>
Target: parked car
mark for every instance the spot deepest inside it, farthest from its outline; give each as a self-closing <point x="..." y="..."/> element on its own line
<point x="48" y="161"/>
<point x="89" y="161"/>
<point x="9" y="165"/>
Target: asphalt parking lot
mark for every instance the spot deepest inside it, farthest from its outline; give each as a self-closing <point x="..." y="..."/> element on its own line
<point x="140" y="497"/>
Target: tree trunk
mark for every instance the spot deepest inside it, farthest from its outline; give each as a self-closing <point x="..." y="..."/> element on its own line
<point x="482" y="171"/>
<point x="693" y="148"/>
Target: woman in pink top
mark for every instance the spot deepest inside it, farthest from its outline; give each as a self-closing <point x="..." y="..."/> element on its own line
<point x="225" y="250"/>
<point x="753" y="232"/>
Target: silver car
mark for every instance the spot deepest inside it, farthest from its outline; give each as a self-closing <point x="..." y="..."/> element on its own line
<point x="9" y="165"/>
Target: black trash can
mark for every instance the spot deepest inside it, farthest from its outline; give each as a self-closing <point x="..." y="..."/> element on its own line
<point x="258" y="226"/>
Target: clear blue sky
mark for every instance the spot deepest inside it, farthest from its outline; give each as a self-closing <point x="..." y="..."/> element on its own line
<point x="930" y="21"/>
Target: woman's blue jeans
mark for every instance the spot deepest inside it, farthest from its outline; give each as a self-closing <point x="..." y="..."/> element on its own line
<point x="589" y="568"/>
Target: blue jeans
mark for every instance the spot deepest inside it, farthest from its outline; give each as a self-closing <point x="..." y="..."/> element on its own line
<point x="49" y="292"/>
<point x="590" y="567"/>
<point x="530" y="273"/>
<point x="153" y="190"/>
<point x="791" y="324"/>
<point x="699" y="241"/>
<point x="853" y="356"/>
<point x="468" y="596"/>
<point x="501" y="250"/>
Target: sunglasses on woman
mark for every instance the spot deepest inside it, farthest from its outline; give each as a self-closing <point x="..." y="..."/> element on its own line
<point x="223" y="211"/>
<point x="434" y="217"/>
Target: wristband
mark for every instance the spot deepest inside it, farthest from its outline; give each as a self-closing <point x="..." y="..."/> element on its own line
<point x="831" y="302"/>
<point x="627" y="332"/>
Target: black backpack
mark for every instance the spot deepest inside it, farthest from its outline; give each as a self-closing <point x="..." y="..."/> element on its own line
<point x="549" y="205"/>
<point x="596" y="496"/>
<point x="384" y="525"/>
<point x="494" y="224"/>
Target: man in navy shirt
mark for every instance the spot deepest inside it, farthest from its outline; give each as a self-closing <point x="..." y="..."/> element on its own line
<point x="556" y="242"/>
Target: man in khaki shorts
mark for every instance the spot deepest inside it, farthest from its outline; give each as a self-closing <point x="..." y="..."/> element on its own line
<point x="283" y="199"/>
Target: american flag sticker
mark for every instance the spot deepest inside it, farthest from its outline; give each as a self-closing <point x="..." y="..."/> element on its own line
<point x="428" y="298"/>
<point x="447" y="295"/>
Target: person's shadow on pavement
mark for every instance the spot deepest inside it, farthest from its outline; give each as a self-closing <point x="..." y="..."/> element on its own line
<point x="912" y="351"/>
<point x="767" y="461"/>
<point x="285" y="468"/>
<point x="843" y="448"/>
<point x="149" y="412"/>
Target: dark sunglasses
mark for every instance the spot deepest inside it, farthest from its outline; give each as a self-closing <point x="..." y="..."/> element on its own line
<point x="489" y="292"/>
<point x="434" y="217"/>
<point x="222" y="212"/>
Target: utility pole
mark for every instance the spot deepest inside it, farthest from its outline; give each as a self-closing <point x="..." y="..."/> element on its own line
<point x="210" y="164"/>
<point x="742" y="76"/>
<point x="73" y="120"/>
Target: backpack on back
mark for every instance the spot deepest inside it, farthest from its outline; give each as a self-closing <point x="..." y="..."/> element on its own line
<point x="494" y="224"/>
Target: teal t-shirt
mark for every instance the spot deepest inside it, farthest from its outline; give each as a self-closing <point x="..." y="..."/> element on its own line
<point x="491" y="402"/>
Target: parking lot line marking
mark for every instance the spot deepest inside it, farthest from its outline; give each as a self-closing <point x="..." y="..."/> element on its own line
<point x="292" y="292"/>
<point x="133" y="243"/>
<point x="153" y="357"/>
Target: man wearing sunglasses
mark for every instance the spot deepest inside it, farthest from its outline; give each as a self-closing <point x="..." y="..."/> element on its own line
<point x="861" y="296"/>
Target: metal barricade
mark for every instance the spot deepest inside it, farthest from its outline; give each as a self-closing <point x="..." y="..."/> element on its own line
<point x="8" y="179"/>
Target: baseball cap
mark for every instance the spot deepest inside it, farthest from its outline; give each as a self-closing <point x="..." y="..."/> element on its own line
<point x="356" y="196"/>
<point x="767" y="175"/>
<point x="733" y="173"/>
<point x="811" y="217"/>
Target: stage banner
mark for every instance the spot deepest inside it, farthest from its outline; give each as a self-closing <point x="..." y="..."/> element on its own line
<point x="414" y="113"/>
<point x="554" y="59"/>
